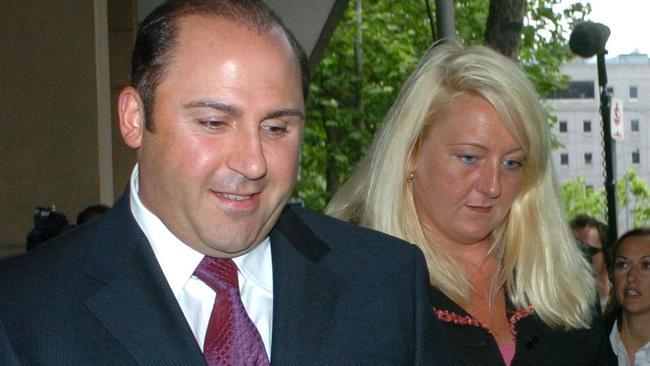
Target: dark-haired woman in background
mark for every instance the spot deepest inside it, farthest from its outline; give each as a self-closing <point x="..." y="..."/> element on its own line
<point x="630" y="334"/>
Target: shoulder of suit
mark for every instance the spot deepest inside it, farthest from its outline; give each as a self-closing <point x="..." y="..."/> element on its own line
<point x="58" y="255"/>
<point x="331" y="230"/>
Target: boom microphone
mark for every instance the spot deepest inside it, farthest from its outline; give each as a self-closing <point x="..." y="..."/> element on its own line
<point x="588" y="39"/>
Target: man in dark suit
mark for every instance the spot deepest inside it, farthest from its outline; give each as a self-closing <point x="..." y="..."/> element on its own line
<point x="216" y="113"/>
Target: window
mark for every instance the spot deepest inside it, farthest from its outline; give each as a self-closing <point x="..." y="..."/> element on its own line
<point x="564" y="159"/>
<point x="634" y="92"/>
<point x="576" y="90"/>
<point x="588" y="158"/>
<point x="636" y="157"/>
<point x="563" y="127"/>
<point x="634" y="125"/>
<point x="586" y="126"/>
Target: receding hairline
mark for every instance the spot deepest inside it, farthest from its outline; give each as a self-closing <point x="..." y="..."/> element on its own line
<point x="270" y="28"/>
<point x="250" y="23"/>
<point x="245" y="23"/>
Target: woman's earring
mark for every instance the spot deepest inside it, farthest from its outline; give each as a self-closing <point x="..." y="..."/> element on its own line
<point x="410" y="178"/>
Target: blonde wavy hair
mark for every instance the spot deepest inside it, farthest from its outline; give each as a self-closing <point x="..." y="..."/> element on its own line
<point x="540" y="263"/>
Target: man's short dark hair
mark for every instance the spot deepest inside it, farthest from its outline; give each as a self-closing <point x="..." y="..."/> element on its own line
<point x="584" y="221"/>
<point x="158" y="33"/>
<point x="91" y="212"/>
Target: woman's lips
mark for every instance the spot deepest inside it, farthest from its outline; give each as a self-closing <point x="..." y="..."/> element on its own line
<point x="480" y="209"/>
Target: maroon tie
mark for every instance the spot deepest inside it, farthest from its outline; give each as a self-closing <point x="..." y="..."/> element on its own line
<point x="231" y="339"/>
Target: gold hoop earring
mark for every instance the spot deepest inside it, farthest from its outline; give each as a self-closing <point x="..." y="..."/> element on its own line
<point x="410" y="178"/>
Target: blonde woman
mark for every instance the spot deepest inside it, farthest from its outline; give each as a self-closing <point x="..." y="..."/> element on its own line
<point x="461" y="168"/>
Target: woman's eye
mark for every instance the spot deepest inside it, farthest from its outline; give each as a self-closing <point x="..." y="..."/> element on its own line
<point x="512" y="164"/>
<point x="467" y="159"/>
<point x="645" y="265"/>
<point x="621" y="265"/>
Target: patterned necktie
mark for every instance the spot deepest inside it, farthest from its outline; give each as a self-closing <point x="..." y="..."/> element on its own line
<point x="231" y="339"/>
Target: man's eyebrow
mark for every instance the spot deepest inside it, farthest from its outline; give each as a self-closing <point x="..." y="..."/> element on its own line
<point x="237" y="112"/>
<point x="220" y="106"/>
<point x="288" y="112"/>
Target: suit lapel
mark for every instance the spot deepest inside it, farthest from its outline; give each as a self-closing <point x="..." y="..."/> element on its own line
<point x="305" y="294"/>
<point x="136" y="304"/>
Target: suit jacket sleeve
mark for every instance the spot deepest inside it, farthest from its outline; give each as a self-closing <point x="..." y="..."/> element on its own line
<point x="7" y="355"/>
<point x="431" y="342"/>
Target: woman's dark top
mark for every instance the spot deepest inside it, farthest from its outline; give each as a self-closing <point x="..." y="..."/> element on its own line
<point x="536" y="343"/>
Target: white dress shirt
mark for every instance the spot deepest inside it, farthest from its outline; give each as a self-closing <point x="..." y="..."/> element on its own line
<point x="641" y="357"/>
<point x="178" y="262"/>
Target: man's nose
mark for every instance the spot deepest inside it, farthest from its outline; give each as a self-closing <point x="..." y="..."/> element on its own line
<point x="247" y="155"/>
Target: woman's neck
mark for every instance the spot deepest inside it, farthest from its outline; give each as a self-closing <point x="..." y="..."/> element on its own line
<point x="478" y="265"/>
<point x="635" y="331"/>
<point x="487" y="301"/>
<point x="475" y="254"/>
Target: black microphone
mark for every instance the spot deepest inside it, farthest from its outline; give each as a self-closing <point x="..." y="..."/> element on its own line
<point x="588" y="39"/>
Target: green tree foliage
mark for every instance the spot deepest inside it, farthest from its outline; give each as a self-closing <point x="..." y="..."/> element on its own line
<point x="345" y="108"/>
<point x="631" y="191"/>
<point x="544" y="42"/>
<point x="370" y="57"/>
<point x="578" y="199"/>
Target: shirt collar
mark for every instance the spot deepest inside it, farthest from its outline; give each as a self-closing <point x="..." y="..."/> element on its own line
<point x="615" y="340"/>
<point x="178" y="260"/>
<point x="646" y="350"/>
<point x="619" y="348"/>
<point x="256" y="265"/>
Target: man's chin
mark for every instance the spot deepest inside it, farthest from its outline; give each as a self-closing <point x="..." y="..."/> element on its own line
<point x="229" y="251"/>
<point x="231" y="246"/>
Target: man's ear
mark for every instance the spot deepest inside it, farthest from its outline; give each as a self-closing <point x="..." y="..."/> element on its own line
<point x="131" y="116"/>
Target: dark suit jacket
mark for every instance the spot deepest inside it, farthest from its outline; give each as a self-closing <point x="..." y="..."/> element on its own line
<point x="97" y="296"/>
<point x="536" y="342"/>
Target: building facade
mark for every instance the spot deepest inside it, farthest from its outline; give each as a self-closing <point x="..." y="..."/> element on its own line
<point x="579" y="127"/>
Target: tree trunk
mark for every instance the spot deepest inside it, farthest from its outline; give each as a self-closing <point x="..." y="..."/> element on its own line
<point x="358" y="62"/>
<point x="504" y="26"/>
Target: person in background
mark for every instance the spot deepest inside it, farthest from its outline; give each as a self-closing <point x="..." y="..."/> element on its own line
<point x="461" y="167"/>
<point x="200" y="262"/>
<point x="593" y="233"/>
<point x="630" y="331"/>
<point x="48" y="223"/>
<point x="91" y="212"/>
